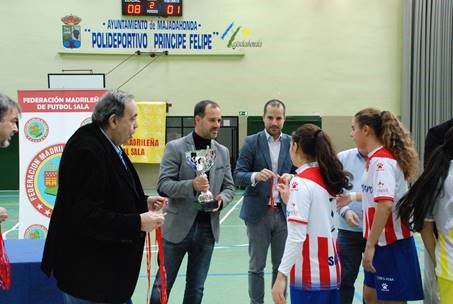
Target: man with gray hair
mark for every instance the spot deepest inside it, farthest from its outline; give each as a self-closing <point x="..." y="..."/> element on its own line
<point x="97" y="230"/>
<point x="9" y="117"/>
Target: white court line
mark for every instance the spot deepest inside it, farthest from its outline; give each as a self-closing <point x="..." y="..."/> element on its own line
<point x="231" y="210"/>
<point x="12" y="229"/>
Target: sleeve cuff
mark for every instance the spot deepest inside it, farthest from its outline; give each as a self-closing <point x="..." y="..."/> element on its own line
<point x="297" y="220"/>
<point x="377" y="199"/>
<point x="343" y="210"/>
<point x="252" y="179"/>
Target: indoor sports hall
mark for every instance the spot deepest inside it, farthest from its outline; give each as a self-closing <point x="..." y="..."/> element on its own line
<point x="326" y="60"/>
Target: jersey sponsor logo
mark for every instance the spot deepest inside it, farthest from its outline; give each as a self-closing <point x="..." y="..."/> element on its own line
<point x="367" y="189"/>
<point x="292" y="213"/>
<point x="332" y="260"/>
<point x="381" y="187"/>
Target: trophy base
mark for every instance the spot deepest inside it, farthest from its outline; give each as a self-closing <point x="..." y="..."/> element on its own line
<point x="206" y="206"/>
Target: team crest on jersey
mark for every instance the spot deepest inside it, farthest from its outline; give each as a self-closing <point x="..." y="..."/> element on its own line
<point x="294" y="185"/>
<point x="379" y="166"/>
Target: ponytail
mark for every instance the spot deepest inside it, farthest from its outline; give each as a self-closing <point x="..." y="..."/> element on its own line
<point x="419" y="201"/>
<point x="316" y="144"/>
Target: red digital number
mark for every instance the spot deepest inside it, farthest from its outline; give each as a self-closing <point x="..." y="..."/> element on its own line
<point x="179" y="10"/>
<point x="152" y="5"/>
<point x="134" y="9"/>
<point x="170" y="9"/>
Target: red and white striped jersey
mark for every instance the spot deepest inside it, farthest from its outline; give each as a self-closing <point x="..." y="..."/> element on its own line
<point x="383" y="180"/>
<point x="311" y="252"/>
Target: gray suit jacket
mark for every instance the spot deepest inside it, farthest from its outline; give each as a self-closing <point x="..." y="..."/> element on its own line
<point x="175" y="182"/>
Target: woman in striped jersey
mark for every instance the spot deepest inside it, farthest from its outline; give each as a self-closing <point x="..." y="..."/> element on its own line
<point x="310" y="258"/>
<point x="392" y="272"/>
<point x="431" y="199"/>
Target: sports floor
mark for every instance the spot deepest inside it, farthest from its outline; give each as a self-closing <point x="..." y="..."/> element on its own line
<point x="227" y="279"/>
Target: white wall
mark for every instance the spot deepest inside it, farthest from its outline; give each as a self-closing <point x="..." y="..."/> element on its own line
<point x="332" y="57"/>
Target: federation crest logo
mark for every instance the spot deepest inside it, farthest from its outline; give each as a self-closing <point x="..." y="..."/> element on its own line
<point x="385" y="287"/>
<point x="294" y="185"/>
<point x="35" y="231"/>
<point x="36" y="129"/>
<point x="71" y="32"/>
<point x="41" y="179"/>
<point x="85" y="121"/>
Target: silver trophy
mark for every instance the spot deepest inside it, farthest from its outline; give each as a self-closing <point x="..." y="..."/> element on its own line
<point x="201" y="161"/>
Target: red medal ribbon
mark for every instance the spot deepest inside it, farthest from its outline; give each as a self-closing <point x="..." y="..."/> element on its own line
<point x="162" y="271"/>
<point x="5" y="268"/>
<point x="271" y="193"/>
<point x="148" y="264"/>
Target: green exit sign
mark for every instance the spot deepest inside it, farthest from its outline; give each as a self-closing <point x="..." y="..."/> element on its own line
<point x="243" y="113"/>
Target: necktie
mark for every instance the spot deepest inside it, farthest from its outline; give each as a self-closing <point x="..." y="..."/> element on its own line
<point x="120" y="153"/>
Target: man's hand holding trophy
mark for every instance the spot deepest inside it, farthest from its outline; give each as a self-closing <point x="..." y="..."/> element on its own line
<point x="201" y="161"/>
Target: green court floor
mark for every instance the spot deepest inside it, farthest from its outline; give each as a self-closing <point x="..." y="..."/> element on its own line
<point x="227" y="279"/>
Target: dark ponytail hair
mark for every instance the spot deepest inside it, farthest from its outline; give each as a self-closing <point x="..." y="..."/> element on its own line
<point x="419" y="200"/>
<point x="317" y="145"/>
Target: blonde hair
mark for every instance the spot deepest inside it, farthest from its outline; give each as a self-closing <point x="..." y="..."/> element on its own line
<point x="394" y="136"/>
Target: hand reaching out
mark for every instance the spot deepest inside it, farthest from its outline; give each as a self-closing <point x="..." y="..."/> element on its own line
<point x="342" y="200"/>
<point x="156" y="203"/>
<point x="351" y="218"/>
<point x="264" y="175"/>
<point x="151" y="220"/>
<point x="283" y="188"/>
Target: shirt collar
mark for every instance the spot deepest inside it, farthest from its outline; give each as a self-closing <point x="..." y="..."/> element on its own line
<point x="115" y="146"/>
<point x="360" y="156"/>
<point x="270" y="138"/>
<point x="374" y="151"/>
<point x="306" y="166"/>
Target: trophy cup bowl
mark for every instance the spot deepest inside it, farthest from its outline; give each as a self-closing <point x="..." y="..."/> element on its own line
<point x="201" y="161"/>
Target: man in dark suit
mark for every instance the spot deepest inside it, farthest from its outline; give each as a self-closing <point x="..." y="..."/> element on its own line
<point x="97" y="230"/>
<point x="263" y="158"/>
<point x="188" y="230"/>
<point x="9" y="117"/>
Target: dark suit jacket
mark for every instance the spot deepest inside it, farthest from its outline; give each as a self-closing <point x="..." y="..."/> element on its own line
<point x="94" y="246"/>
<point x="435" y="138"/>
<point x="253" y="157"/>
